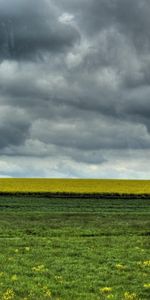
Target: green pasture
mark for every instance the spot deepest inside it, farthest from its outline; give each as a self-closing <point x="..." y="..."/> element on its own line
<point x="73" y="249"/>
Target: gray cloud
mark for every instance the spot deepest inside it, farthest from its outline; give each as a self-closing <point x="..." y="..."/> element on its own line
<point x="30" y="27"/>
<point x="74" y="88"/>
<point x="14" y="127"/>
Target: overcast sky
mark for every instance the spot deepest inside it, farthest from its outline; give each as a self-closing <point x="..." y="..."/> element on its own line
<point x="75" y="88"/>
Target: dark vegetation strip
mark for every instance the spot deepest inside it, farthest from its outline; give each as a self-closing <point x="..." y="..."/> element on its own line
<point x="79" y="195"/>
<point x="45" y="204"/>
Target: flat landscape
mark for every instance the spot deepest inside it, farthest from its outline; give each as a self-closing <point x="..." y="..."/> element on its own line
<point x="75" y="186"/>
<point x="74" y="249"/>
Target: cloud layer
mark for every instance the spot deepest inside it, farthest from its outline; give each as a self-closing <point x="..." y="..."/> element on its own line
<point x="74" y="88"/>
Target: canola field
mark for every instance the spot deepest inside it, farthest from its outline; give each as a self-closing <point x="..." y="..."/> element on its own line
<point x="74" y="249"/>
<point x="82" y="186"/>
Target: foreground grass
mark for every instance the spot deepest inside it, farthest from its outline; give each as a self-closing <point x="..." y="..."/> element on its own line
<point x="83" y="186"/>
<point x="74" y="249"/>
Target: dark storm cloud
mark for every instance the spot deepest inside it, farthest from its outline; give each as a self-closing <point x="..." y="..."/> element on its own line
<point x="130" y="16"/>
<point x="75" y="87"/>
<point x="14" y="127"/>
<point x="30" y="27"/>
<point x="92" y="135"/>
<point x="13" y="134"/>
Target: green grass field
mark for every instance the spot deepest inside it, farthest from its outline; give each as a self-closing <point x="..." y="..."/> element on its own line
<point x="74" y="249"/>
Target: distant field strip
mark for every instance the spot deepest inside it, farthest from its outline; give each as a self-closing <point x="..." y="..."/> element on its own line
<point x="75" y="186"/>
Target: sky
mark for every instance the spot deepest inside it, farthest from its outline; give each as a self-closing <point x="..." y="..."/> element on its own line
<point x="75" y="88"/>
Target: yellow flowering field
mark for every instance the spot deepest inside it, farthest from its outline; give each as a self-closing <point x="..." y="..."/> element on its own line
<point x="74" y="185"/>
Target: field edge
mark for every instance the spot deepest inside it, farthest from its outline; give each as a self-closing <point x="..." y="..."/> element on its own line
<point x="78" y="195"/>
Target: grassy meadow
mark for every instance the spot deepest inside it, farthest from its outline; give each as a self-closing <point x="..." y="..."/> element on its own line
<point x="83" y="186"/>
<point x="74" y="249"/>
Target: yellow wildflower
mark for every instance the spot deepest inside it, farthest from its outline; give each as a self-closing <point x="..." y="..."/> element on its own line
<point x="59" y="278"/>
<point x="8" y="295"/>
<point x="14" y="277"/>
<point x="47" y="292"/>
<point x="147" y="285"/>
<point x="130" y="296"/>
<point x="120" y="267"/>
<point x="106" y="289"/>
<point x="146" y="263"/>
<point x="110" y="296"/>
<point x="40" y="268"/>
<point x="27" y="248"/>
